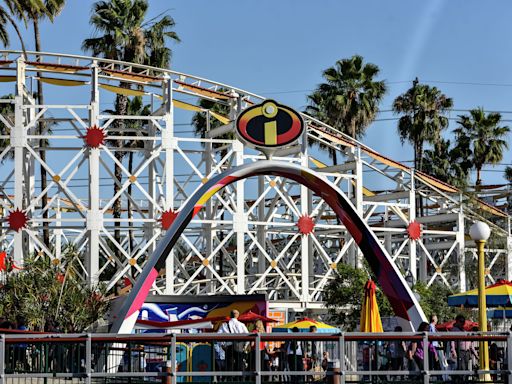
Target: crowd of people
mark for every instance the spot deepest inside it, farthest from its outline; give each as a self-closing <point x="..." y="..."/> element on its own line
<point x="295" y="356"/>
<point x="453" y="355"/>
<point x="289" y="359"/>
<point x="292" y="355"/>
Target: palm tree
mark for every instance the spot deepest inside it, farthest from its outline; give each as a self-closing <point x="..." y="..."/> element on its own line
<point x="32" y="11"/>
<point x="349" y="99"/>
<point x="200" y="123"/>
<point x="422" y="109"/>
<point x="126" y="35"/>
<point x="448" y="164"/>
<point x="508" y="174"/>
<point x="486" y="137"/>
<point x="17" y="8"/>
<point x="318" y="108"/>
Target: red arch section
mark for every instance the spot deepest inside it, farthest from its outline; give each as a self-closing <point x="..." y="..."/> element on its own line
<point x="388" y="276"/>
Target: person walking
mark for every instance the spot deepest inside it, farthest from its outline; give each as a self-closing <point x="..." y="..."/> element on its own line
<point x="461" y="351"/>
<point x="416" y="351"/>
<point x="396" y="350"/>
<point x="314" y="358"/>
<point x="295" y="352"/>
<point x="234" y="350"/>
<point x="259" y="351"/>
<point x="220" y="357"/>
<point x="433" y="352"/>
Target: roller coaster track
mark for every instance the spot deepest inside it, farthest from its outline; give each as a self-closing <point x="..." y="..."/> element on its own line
<point x="254" y="227"/>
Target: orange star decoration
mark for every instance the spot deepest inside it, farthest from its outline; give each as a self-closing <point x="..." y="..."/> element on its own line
<point x="17" y="220"/>
<point x="168" y="218"/>
<point x="414" y="230"/>
<point x="306" y="225"/>
<point x="94" y="137"/>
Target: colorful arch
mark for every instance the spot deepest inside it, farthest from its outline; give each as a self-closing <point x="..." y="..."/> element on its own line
<point x="387" y="274"/>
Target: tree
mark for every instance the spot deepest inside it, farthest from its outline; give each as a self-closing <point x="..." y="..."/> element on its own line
<point x="349" y="98"/>
<point x="447" y="163"/>
<point x="487" y="139"/>
<point x="318" y="109"/>
<point x="434" y="301"/>
<point x="16" y="8"/>
<point x="422" y="109"/>
<point x="201" y="125"/>
<point x="32" y="11"/>
<point x="44" y="294"/>
<point x="344" y="297"/>
<point x="125" y="35"/>
<point x="508" y="174"/>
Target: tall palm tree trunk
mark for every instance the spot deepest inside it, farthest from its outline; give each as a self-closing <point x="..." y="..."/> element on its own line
<point x="353" y="128"/>
<point x="121" y="107"/>
<point x="478" y="183"/>
<point x="18" y="32"/>
<point x="334" y="156"/>
<point x="42" y="142"/>
<point x="418" y="165"/>
<point x="420" y="156"/>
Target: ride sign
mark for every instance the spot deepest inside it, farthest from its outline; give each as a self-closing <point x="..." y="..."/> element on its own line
<point x="269" y="126"/>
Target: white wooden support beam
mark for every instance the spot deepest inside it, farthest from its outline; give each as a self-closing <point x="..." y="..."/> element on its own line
<point x="305" y="240"/>
<point x="461" y="254"/>
<point x="412" y="243"/>
<point x="240" y="223"/>
<point x="94" y="215"/>
<point x="169" y="145"/>
<point x="19" y="142"/>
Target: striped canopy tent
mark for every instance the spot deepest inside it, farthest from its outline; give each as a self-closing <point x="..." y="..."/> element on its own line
<point x="303" y="326"/>
<point x="497" y="295"/>
<point x="500" y="313"/>
<point x="370" y="316"/>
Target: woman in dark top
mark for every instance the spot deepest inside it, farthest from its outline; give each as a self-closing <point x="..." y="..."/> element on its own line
<point x="416" y="352"/>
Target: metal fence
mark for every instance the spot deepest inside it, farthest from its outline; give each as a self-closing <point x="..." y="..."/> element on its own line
<point x="256" y="358"/>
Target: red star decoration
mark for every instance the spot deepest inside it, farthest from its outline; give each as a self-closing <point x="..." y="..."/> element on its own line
<point x="94" y="137"/>
<point x="168" y="218"/>
<point x="306" y="225"/>
<point x="17" y="220"/>
<point x="60" y="277"/>
<point x="414" y="230"/>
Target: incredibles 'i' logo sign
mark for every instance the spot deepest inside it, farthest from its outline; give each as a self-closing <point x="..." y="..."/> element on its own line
<point x="269" y="125"/>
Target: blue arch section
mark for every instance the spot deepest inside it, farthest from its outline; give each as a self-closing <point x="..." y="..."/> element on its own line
<point x="388" y="276"/>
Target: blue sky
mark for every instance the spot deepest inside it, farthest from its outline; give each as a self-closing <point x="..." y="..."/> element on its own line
<point x="279" y="48"/>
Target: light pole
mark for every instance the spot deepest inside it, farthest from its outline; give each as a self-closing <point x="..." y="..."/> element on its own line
<point x="480" y="232"/>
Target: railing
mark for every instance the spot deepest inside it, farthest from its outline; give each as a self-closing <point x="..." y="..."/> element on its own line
<point x="291" y="358"/>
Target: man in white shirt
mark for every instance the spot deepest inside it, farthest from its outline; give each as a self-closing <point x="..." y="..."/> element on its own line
<point x="234" y="350"/>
